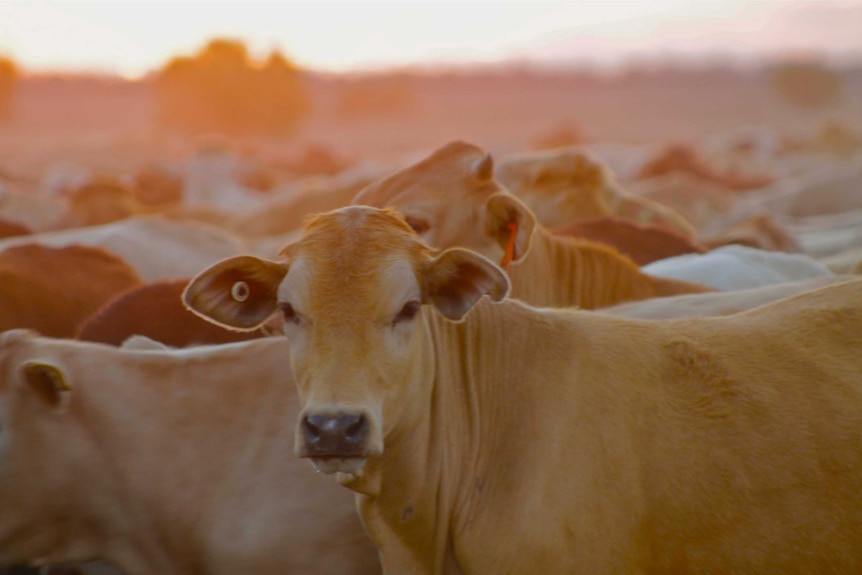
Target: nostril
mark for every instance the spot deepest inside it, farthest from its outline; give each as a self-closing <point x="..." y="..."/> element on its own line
<point x="355" y="429"/>
<point x="311" y="428"/>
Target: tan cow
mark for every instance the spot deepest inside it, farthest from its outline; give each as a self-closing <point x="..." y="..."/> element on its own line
<point x="164" y="462"/>
<point x="498" y="438"/>
<point x="452" y="199"/>
<point x="99" y="201"/>
<point x="719" y="303"/>
<point x="568" y="184"/>
<point x="681" y="157"/>
<point x="53" y="290"/>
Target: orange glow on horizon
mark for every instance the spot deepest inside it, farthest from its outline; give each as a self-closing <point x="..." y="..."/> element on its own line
<point x="133" y="38"/>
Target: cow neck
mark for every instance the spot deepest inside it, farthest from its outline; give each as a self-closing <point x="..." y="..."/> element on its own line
<point x="561" y="271"/>
<point x="410" y="496"/>
<point x="538" y="279"/>
<point x="434" y="473"/>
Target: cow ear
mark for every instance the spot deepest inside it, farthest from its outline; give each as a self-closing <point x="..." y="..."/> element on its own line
<point x="506" y="215"/>
<point x="456" y="279"/>
<point x="48" y="383"/>
<point x="238" y="293"/>
<point x="483" y="168"/>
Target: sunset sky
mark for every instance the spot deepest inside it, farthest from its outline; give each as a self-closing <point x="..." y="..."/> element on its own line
<point x="133" y="37"/>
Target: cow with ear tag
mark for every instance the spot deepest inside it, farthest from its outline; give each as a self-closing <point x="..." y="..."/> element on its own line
<point x="484" y="436"/>
<point x="451" y="199"/>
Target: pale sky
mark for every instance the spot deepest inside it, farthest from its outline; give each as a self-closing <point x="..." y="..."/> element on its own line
<point x="132" y="37"/>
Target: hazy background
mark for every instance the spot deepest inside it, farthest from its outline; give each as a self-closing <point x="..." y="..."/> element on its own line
<point x="385" y="78"/>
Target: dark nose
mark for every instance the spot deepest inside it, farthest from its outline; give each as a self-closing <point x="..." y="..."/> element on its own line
<point x="335" y="435"/>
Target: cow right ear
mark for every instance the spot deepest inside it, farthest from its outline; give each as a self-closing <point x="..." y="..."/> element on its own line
<point x="239" y="293"/>
<point x="48" y="383"/>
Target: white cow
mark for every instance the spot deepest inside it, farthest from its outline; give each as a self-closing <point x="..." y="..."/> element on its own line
<point x="734" y="267"/>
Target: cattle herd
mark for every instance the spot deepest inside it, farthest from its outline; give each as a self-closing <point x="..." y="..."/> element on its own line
<point x="665" y="375"/>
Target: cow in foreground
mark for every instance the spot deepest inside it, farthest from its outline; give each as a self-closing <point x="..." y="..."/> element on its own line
<point x="169" y="462"/>
<point x="491" y="438"/>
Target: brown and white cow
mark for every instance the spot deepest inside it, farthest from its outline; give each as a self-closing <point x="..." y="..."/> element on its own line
<point x="165" y="462"/>
<point x="452" y="199"/>
<point x="495" y="438"/>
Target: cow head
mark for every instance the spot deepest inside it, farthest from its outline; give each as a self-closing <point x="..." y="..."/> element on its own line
<point x="452" y="199"/>
<point x="44" y="456"/>
<point x="352" y="293"/>
<point x="560" y="186"/>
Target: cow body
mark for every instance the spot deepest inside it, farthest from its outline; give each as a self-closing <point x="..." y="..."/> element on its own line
<point x="158" y="248"/>
<point x="54" y="289"/>
<point x="719" y="303"/>
<point x="154" y="310"/>
<point x="738" y="267"/>
<point x="491" y="438"/>
<point x="642" y="243"/>
<point x="170" y="462"/>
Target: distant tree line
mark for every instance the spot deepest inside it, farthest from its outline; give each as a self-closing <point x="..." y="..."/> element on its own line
<point x="805" y="84"/>
<point x="8" y="83"/>
<point x="222" y="89"/>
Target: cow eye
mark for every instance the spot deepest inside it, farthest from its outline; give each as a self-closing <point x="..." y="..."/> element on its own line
<point x="408" y="312"/>
<point x="288" y="313"/>
<point x="419" y="225"/>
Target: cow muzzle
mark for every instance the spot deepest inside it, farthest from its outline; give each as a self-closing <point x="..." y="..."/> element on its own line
<point x="335" y="441"/>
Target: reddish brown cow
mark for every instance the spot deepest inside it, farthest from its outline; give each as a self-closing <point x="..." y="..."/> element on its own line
<point x="52" y="290"/>
<point x="11" y="228"/>
<point x="643" y="243"/>
<point x="155" y="310"/>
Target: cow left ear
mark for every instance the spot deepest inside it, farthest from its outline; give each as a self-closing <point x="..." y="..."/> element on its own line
<point x="510" y="223"/>
<point x="456" y="279"/>
<point x="48" y="383"/>
<point x="238" y="293"/>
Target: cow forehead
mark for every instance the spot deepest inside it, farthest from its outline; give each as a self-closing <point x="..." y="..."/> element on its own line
<point x="355" y="250"/>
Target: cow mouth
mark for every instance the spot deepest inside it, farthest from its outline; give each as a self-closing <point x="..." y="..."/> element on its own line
<point x="330" y="465"/>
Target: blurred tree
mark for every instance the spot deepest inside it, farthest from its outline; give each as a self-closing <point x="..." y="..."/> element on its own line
<point x="222" y="89"/>
<point x="805" y="84"/>
<point x="8" y="83"/>
<point x="377" y="96"/>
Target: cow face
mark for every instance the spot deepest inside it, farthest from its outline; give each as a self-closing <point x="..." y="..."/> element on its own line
<point x="43" y="457"/>
<point x="451" y="199"/>
<point x="352" y="293"/>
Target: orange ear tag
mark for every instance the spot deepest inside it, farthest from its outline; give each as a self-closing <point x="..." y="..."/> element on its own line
<point x="509" y="253"/>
